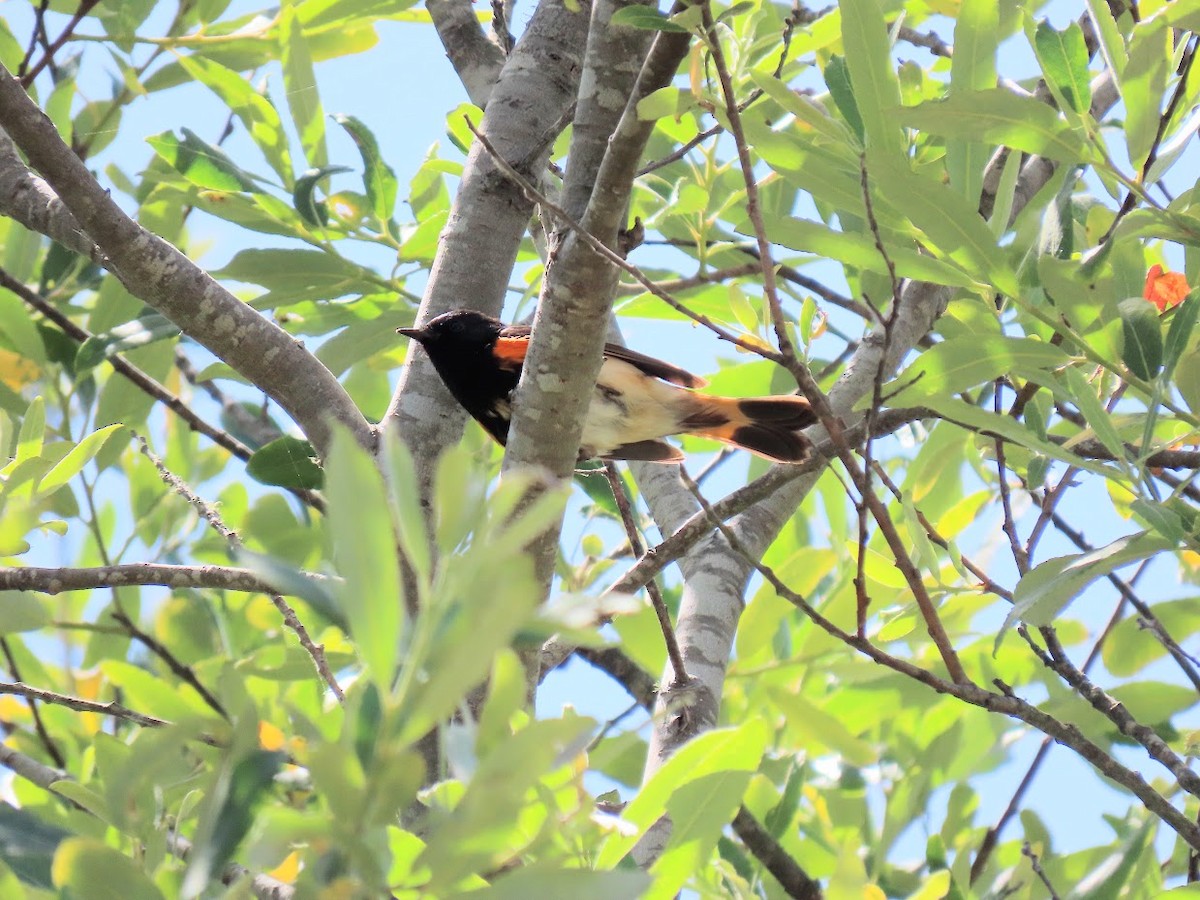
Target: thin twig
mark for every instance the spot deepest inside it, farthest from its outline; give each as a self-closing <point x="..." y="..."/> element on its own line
<point x="1036" y="865"/>
<point x="611" y="255"/>
<point x="48" y="742"/>
<point x="680" y="676"/>
<point x="1005" y="703"/>
<point x="85" y="6"/>
<point x="315" y="651"/>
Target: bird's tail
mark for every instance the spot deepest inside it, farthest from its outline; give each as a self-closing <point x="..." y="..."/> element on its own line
<point x="768" y="426"/>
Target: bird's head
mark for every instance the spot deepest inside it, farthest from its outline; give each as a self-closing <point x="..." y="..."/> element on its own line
<point x="459" y="326"/>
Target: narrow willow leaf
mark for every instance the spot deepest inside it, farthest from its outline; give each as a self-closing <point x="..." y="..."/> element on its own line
<point x="1183" y="322"/>
<point x="379" y="181"/>
<point x="300" y="85"/>
<point x="1094" y="413"/>
<point x="78" y="457"/>
<point x="1046" y="590"/>
<point x="966" y="362"/>
<point x="255" y="111"/>
<point x="872" y="74"/>
<point x="1064" y="58"/>
<point x="999" y="116"/>
<point x="203" y="164"/>
<point x="837" y="79"/>
<point x="145" y="330"/>
<point x="310" y="209"/>
<point x="1140" y="326"/>
<point x="645" y="18"/>
<point x="360" y="525"/>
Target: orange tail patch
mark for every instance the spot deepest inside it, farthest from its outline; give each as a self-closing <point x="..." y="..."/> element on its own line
<point x="768" y="426"/>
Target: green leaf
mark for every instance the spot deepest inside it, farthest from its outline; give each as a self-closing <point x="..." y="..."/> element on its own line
<point x="859" y="250"/>
<point x="1143" y="348"/>
<point x="1046" y="590"/>
<point x="965" y="362"/>
<point x="291" y="582"/>
<point x="1183" y="322"/>
<point x="405" y="492"/>
<point x="1112" y="44"/>
<point x="292" y="275"/>
<point x="257" y="212"/>
<point x="1064" y="59"/>
<point x="255" y="111"/>
<point x="1132" y="647"/>
<point x="203" y="164"/>
<point x="1084" y="396"/>
<point x="999" y="116"/>
<point x="78" y="457"/>
<point x="365" y="551"/>
<point x="300" y="85"/>
<point x="578" y="884"/>
<point x="971" y="416"/>
<point x="33" y="430"/>
<point x="972" y="68"/>
<point x="837" y="79"/>
<point x="90" y="870"/>
<point x="699" y="811"/>
<point x="723" y="750"/>
<point x="1187" y="379"/>
<point x="379" y="181"/>
<point x="645" y="18"/>
<point x="27" y="845"/>
<point x="869" y="59"/>
<point x="951" y="223"/>
<point x="310" y="209"/>
<point x="17" y="326"/>
<point x="1143" y="84"/>
<point x="145" y="330"/>
<point x="806" y="112"/>
<point x="238" y="793"/>
<point x="22" y="612"/>
<point x="287" y="462"/>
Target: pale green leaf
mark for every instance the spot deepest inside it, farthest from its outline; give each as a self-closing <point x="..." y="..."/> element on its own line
<point x="365" y="551"/>
<point x="999" y="116"/>
<point x="78" y="457"/>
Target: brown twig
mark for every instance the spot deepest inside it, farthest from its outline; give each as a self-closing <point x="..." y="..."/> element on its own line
<point x="1036" y="865"/>
<point x="679" y="670"/>
<point x="85" y="6"/>
<point x="315" y="651"/>
<point x="50" y="745"/>
<point x="611" y="255"/>
<point x="1005" y="703"/>
<point x="52" y="580"/>
<point x="181" y="670"/>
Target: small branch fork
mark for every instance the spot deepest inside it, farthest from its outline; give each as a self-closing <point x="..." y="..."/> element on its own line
<point x="679" y="670"/>
<point x="290" y="619"/>
<point x="1005" y="702"/>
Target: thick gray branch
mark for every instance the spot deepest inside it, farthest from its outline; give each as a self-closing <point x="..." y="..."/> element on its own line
<point x="155" y="271"/>
<point x="28" y="199"/>
<point x="476" y="59"/>
<point x="526" y="110"/>
<point x="572" y="318"/>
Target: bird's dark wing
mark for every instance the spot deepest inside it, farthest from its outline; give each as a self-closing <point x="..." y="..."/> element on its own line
<point x="513" y="344"/>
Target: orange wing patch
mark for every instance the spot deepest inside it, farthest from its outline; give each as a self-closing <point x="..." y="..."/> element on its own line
<point x="510" y="351"/>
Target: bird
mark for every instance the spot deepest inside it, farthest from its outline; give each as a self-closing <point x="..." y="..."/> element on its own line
<point x="638" y="400"/>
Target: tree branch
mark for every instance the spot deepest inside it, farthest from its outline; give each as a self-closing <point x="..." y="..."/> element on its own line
<point x="155" y="271"/>
<point x="57" y="580"/>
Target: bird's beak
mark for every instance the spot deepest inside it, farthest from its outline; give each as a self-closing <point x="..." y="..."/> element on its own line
<point x="417" y="334"/>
